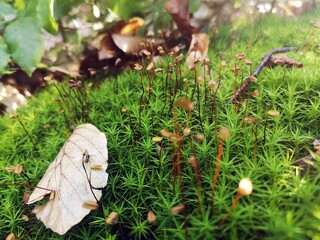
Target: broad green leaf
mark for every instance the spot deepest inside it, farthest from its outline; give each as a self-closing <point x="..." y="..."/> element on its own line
<point x="30" y="9"/>
<point x="45" y="16"/>
<point x="7" y="13"/>
<point x="4" y="55"/>
<point x="25" y="43"/>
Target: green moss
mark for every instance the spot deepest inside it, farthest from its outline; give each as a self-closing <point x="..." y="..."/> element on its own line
<point x="283" y="205"/>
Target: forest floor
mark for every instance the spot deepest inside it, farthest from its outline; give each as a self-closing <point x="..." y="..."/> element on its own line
<point x="271" y="129"/>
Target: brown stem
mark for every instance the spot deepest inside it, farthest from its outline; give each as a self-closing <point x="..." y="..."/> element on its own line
<point x="216" y="173"/>
<point x="235" y="201"/>
<point x="33" y="143"/>
<point x="198" y="180"/>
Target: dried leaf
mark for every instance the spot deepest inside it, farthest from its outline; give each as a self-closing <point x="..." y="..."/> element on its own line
<point x="11" y="98"/>
<point x="72" y="180"/>
<point x="128" y="44"/>
<point x="179" y="11"/>
<point x="131" y="26"/>
<point x="127" y="27"/>
<point x="108" y="49"/>
<point x="198" y="48"/>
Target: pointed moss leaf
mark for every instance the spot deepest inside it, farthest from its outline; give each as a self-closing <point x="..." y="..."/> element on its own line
<point x="4" y="55"/>
<point x="25" y="43"/>
<point x="7" y="13"/>
<point x="70" y="181"/>
<point x="45" y="16"/>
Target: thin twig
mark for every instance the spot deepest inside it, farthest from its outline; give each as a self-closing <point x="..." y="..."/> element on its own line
<point x="263" y="63"/>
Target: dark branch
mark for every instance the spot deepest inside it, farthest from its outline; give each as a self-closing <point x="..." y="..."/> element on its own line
<point x="263" y="63"/>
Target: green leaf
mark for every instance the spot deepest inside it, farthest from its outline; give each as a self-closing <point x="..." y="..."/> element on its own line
<point x="126" y="9"/>
<point x="25" y="43"/>
<point x="43" y="11"/>
<point x="19" y="4"/>
<point x="63" y="7"/>
<point x="45" y="16"/>
<point x="7" y="13"/>
<point x="4" y="55"/>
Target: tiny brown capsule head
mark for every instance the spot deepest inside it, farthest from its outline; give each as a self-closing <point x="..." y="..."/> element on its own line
<point x="91" y="205"/>
<point x="250" y="120"/>
<point x="112" y="218"/>
<point x="223" y="64"/>
<point x="198" y="137"/>
<point x="186" y="131"/>
<point x="185" y="104"/>
<point x="151" y="217"/>
<point x="247" y="62"/>
<point x="156" y="139"/>
<point x="273" y="113"/>
<point x="240" y="56"/>
<point x="138" y="67"/>
<point x="177" y="209"/>
<point x="224" y="133"/>
<point x="235" y="69"/>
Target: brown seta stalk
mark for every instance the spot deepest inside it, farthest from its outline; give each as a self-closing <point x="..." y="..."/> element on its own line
<point x="224" y="135"/>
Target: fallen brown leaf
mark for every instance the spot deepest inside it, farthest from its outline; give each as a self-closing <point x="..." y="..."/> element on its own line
<point x="108" y="49"/>
<point x="179" y="11"/>
<point x="128" y="44"/>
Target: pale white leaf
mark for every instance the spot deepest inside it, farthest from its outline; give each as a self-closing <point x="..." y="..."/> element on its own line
<point x="66" y="176"/>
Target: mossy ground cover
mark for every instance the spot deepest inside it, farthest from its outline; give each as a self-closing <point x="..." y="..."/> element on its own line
<point x="145" y="175"/>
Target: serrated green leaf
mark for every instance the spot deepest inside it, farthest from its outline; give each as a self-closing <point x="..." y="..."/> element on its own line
<point x="7" y="12"/>
<point x="45" y="16"/>
<point x="4" y="55"/>
<point x="25" y="43"/>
